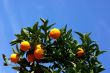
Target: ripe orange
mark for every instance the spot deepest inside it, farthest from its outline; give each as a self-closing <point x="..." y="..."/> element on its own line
<point x="24" y="46"/>
<point x="80" y="52"/>
<point x="14" y="58"/>
<point x="30" y="57"/>
<point x="55" y="33"/>
<point x="39" y="53"/>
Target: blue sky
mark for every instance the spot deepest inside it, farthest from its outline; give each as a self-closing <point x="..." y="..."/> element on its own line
<point x="80" y="15"/>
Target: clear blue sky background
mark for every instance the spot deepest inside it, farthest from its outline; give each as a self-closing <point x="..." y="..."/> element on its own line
<point x="80" y="15"/>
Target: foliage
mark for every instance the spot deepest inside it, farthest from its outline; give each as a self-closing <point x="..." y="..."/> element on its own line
<point x="60" y="54"/>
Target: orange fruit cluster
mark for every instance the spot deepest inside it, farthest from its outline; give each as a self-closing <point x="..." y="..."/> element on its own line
<point x="14" y="58"/>
<point x="55" y="33"/>
<point x="38" y="52"/>
<point x="80" y="52"/>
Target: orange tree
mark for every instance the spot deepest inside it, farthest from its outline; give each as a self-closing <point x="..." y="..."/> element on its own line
<point x="41" y="49"/>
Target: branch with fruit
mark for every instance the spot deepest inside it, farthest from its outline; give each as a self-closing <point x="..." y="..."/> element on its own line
<point x="43" y="49"/>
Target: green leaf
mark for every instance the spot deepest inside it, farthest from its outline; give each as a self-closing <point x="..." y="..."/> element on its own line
<point x="99" y="52"/>
<point x="45" y="70"/>
<point x="74" y="65"/>
<point x="100" y="69"/>
<point x="24" y="32"/>
<point x="5" y="60"/>
<point x="48" y="27"/>
<point x="16" y="68"/>
<point x="69" y="32"/>
<point x="5" y="64"/>
<point x="65" y="28"/>
<point x="71" y="70"/>
<point x="88" y="34"/>
<point x="13" y="42"/>
<point x="29" y="29"/>
<point x="21" y="53"/>
<point x="17" y="48"/>
<point x="45" y="24"/>
<point x="80" y="34"/>
<point x="14" y="51"/>
<point x="88" y="39"/>
<point x="35" y="27"/>
<point x="43" y="20"/>
<point x="4" y="57"/>
<point x="18" y="35"/>
<point x="93" y="46"/>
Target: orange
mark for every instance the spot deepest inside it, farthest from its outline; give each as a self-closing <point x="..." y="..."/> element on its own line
<point x="14" y="58"/>
<point x="80" y="52"/>
<point x="24" y="46"/>
<point x="55" y="33"/>
<point x="30" y="57"/>
<point x="38" y="52"/>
